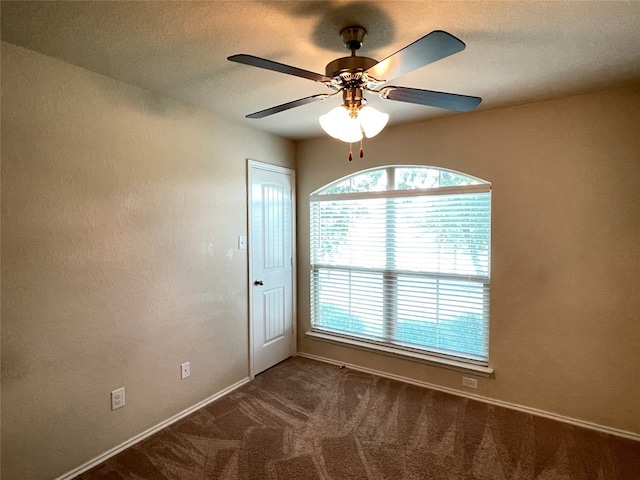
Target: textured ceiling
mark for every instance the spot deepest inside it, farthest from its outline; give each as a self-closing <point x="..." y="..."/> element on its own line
<point x="517" y="51"/>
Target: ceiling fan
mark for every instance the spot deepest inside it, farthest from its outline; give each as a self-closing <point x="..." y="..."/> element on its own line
<point x="355" y="75"/>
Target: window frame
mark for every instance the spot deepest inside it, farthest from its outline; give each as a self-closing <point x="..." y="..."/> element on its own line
<point x="430" y="355"/>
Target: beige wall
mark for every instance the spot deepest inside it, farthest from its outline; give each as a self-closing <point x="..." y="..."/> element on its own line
<point x="565" y="288"/>
<point x="120" y="216"/>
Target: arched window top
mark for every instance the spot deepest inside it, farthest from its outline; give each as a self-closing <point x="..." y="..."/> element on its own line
<point x="399" y="177"/>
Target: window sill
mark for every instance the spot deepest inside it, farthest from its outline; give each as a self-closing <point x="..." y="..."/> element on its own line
<point x="394" y="352"/>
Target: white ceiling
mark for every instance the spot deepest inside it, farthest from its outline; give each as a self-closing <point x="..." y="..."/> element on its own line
<point x="517" y="51"/>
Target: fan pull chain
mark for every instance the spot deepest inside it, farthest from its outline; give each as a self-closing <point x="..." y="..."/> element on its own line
<point x="351" y="152"/>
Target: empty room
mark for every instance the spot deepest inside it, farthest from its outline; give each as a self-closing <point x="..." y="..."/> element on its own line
<point x="320" y="240"/>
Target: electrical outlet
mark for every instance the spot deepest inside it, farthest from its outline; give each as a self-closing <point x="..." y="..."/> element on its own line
<point x="117" y="398"/>
<point x="469" y="382"/>
<point x="242" y="242"/>
<point x="185" y="370"/>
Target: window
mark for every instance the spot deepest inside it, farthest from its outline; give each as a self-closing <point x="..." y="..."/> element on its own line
<point x="400" y="257"/>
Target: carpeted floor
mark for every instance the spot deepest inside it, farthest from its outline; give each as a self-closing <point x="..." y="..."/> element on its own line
<point x="304" y="419"/>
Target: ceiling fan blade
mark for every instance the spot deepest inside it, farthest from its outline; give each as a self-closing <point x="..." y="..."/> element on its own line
<point x="450" y="101"/>
<point x="288" y="105"/>
<point x="278" y="67"/>
<point x="430" y="48"/>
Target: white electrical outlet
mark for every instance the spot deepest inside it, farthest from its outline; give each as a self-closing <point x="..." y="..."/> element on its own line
<point x="185" y="370"/>
<point x="242" y="242"/>
<point x="469" y="382"/>
<point x="117" y="398"/>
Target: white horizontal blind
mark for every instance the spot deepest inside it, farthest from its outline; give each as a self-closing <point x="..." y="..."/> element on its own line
<point x="407" y="268"/>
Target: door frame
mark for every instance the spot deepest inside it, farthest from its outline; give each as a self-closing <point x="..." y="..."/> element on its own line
<point x="251" y="165"/>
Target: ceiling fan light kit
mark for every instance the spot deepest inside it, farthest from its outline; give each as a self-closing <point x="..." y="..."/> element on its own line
<point x="355" y="75"/>
<point x="353" y="118"/>
<point x="341" y="124"/>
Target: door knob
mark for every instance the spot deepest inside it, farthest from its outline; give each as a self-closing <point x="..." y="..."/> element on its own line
<point x="258" y="282"/>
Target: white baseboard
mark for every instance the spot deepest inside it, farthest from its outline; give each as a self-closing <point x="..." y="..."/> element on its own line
<point x="500" y="403"/>
<point x="114" y="451"/>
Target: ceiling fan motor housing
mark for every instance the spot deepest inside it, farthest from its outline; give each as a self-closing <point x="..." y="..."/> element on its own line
<point x="348" y="64"/>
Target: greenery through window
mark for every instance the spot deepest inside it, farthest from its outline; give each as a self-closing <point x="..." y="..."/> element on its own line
<point x="400" y="256"/>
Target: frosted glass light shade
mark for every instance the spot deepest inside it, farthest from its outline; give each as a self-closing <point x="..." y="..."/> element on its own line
<point x="372" y="121"/>
<point x="339" y="124"/>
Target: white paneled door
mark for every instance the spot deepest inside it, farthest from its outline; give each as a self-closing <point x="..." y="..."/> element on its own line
<point x="271" y="264"/>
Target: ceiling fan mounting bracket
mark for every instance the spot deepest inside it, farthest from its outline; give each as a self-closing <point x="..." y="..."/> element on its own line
<point x="352" y="37"/>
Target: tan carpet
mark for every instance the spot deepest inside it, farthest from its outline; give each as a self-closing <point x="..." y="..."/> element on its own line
<point x="304" y="419"/>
